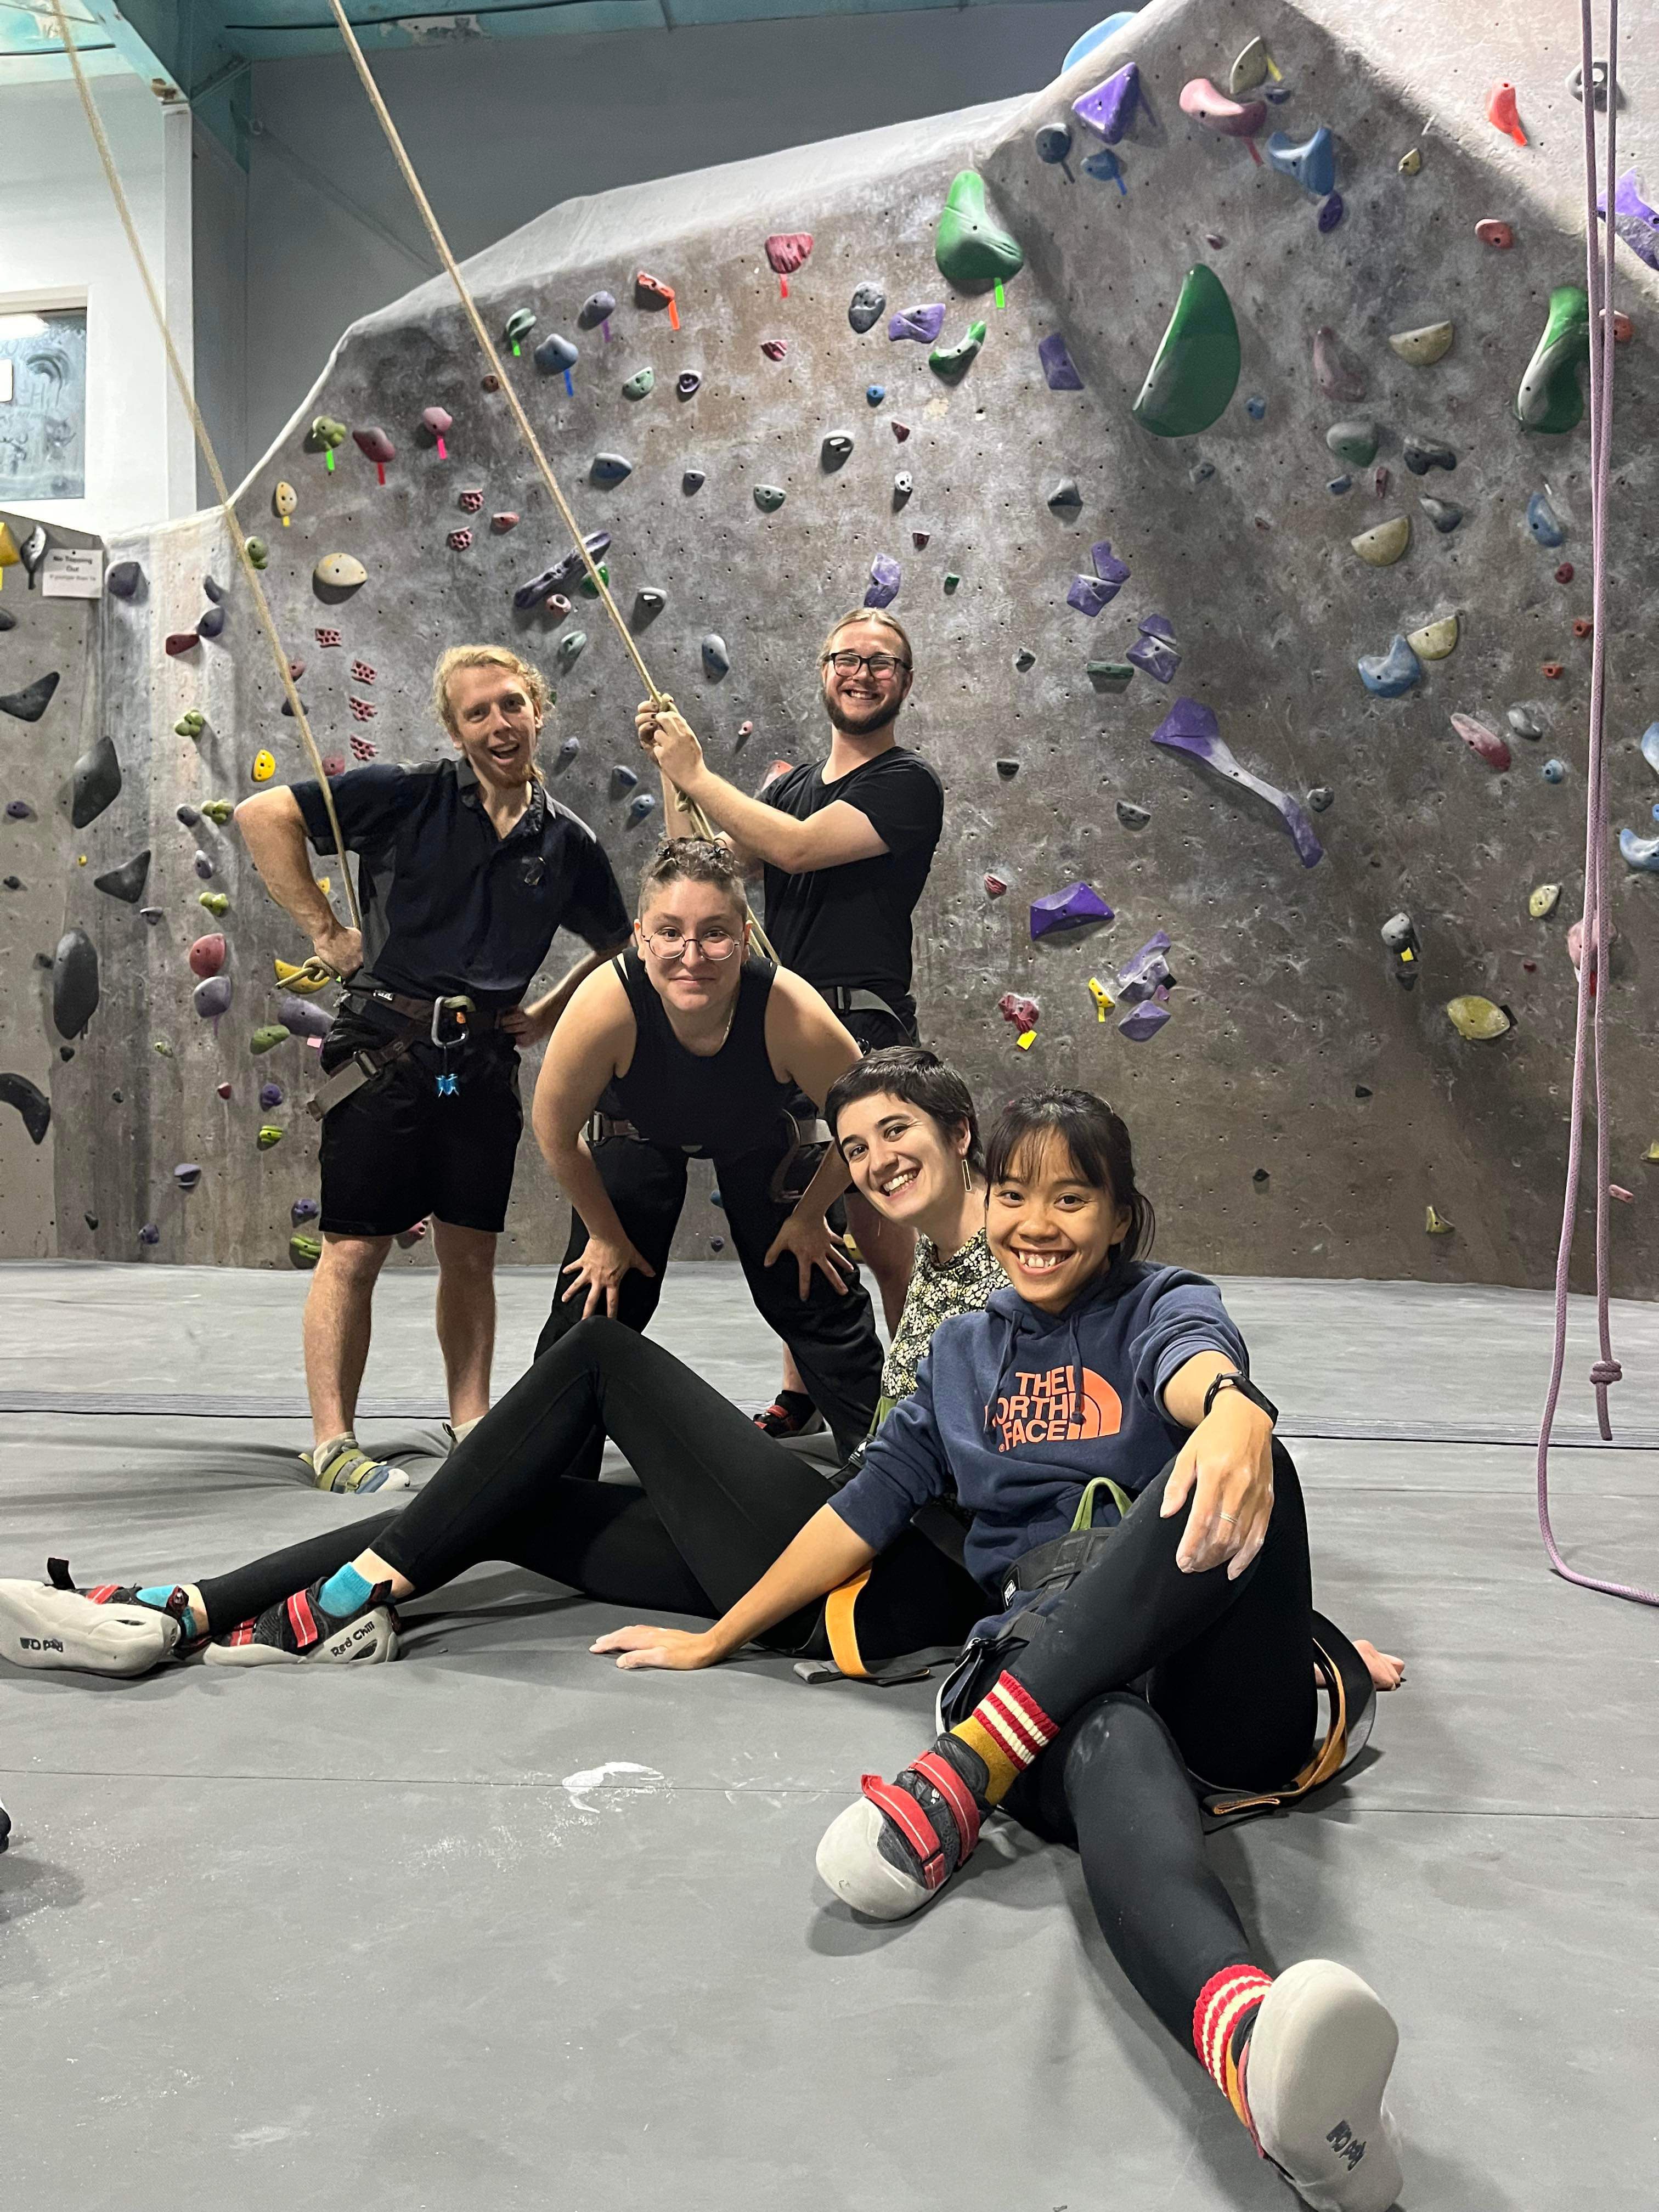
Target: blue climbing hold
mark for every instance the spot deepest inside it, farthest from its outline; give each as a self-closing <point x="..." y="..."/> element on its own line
<point x="1553" y="771"/>
<point x="1338" y="485"/>
<point x="1639" y="852"/>
<point x="1543" y="522"/>
<point x="642" y="804"/>
<point x="611" y="468"/>
<point x="554" y="354"/>
<point x="1650" y="746"/>
<point x="1390" y="675"/>
<point x="875" y="393"/>
<point x="1054" y="143"/>
<point x="1255" y="409"/>
<point x="1331" y="212"/>
<point x="622" y="778"/>
<point x="1059" y="369"/>
<point x="1312" y="162"/>
<point x="1107" y="28"/>
<point x="1106" y="166"/>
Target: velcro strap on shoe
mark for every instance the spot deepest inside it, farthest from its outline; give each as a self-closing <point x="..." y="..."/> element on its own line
<point x="912" y="1823"/>
<point x="934" y="1767"/>
<point x="303" y="1621"/>
<point x="58" y="1573"/>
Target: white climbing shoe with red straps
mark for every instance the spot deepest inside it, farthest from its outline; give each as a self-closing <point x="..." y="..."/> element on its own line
<point x="899" y="1845"/>
<point x="1317" y="2064"/>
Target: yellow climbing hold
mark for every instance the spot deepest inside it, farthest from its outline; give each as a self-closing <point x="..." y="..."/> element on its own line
<point x="1423" y="348"/>
<point x="284" y="501"/>
<point x="305" y="980"/>
<point x="1383" y="546"/>
<point x="1026" y="1039"/>
<point x="1101" y="996"/>
<point x="1437" y="1224"/>
<point x="1410" y="162"/>
<point x="1254" y="66"/>
<point x="265" y="766"/>
<point x="1435" y="639"/>
<point x="269" y="1135"/>
<point x="1477" y="1019"/>
<point x="1652" y="1152"/>
<point x="1543" y="900"/>
<point x="340" y="571"/>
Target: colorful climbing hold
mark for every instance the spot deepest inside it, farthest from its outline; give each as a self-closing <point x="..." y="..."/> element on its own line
<point x="215" y="902"/>
<point x="1444" y="514"/>
<point x="1252" y="66"/>
<point x="1105" y="166"/>
<point x="518" y="326"/>
<point x="1420" y="455"/>
<point x="258" y="553"/>
<point x="1410" y="161"/>
<point x="1059" y="370"/>
<point x="995" y="886"/>
<point x="506" y="521"/>
<point x="1554" y="670"/>
<point x="1331" y="210"/>
<point x="265" y="766"/>
<point x="95" y="782"/>
<point x="375" y="446"/>
<point x="642" y="382"/>
<point x="885" y="576"/>
<point x="1436" y="1223"/>
<point x="951" y="581"/>
<point x="1425" y="346"/>
<point x="1553" y="771"/>
<point x="1564" y="574"/>
<point x="1256" y="409"/>
<point x="1190" y="727"/>
<point x="1543" y="900"/>
<point x="952" y="363"/>
<point x="207" y="956"/>
<point x="642" y="804"/>
<point x="598" y="307"/>
<point x="177" y="643"/>
<point x="1232" y="119"/>
<point x="1384" y="544"/>
<point x="968" y="247"/>
<point x="874" y="394"/>
<point x="1492" y="232"/>
<point x="1634" y="220"/>
<point x="1477" y="1019"/>
<point x="1109" y="677"/>
<point x="1074" y="907"/>
<point x="1543" y="522"/>
<point x="923" y="324"/>
<point x="268" y="1136"/>
<point x="1503" y="113"/>
<point x="1389" y="675"/>
<point x="1582" y="627"/>
<point x="775" y="349"/>
<point x="866" y="307"/>
<point x="1311" y="163"/>
<point x="1194" y="372"/>
<point x="1485" y="743"/>
<point x="611" y="468"/>
<point x="1436" y="640"/>
<point x="212" y="996"/>
<point x="218" y="810"/>
<point x="1089" y="595"/>
<point x="688" y="384"/>
<point x="327" y="432"/>
<point x="1108" y="110"/>
<point x="570" y="648"/>
<point x="1336" y="373"/>
<point x="1550" y="400"/>
<point x="1354" y="441"/>
<point x="555" y="355"/>
<point x="127" y="882"/>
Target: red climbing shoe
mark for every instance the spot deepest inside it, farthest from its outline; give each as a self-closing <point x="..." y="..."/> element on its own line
<point x="791" y="1414"/>
<point x="900" y="1843"/>
<point x="301" y="1629"/>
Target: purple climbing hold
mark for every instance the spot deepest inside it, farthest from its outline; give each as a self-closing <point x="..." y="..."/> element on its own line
<point x="301" y="1019"/>
<point x="923" y="324"/>
<point x="885" y="577"/>
<point x="19" y="810"/>
<point x="149" y="1234"/>
<point x="1144" y="1021"/>
<point x="1145" y="972"/>
<point x="1331" y="211"/>
<point x="304" y="1209"/>
<point x="1336" y="373"/>
<point x="204" y="867"/>
<point x="187" y="1174"/>
<point x="1089" y="595"/>
<point x="211" y="623"/>
<point x="271" y="1094"/>
<point x="1158" y="659"/>
<point x="1190" y="727"/>
<point x="596" y="308"/>
<point x="1107" y="110"/>
<point x="1633" y="219"/>
<point x="688" y="383"/>
<point x="1156" y="626"/>
<point x="1058" y="367"/>
<point x="1070" y="908"/>
<point x="212" y="996"/>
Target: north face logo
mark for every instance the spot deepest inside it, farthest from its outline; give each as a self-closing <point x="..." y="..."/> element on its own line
<point x="1051" y="1409"/>
<point x="1346" y="2145"/>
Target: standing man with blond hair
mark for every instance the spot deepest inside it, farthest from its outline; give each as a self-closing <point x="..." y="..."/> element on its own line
<point x="845" y="845"/>
<point x="467" y="868"/>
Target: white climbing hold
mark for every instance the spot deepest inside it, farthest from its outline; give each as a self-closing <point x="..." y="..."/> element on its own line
<point x="1423" y="347"/>
<point x="341" y="572"/>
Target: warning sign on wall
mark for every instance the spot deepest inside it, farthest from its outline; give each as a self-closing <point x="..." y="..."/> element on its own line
<point x="73" y="572"/>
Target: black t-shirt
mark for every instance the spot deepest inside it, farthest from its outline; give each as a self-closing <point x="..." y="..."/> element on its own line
<point x="448" y="906"/>
<point x="851" y="924"/>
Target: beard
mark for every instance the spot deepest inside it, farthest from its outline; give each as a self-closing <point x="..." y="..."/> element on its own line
<point x="863" y="721"/>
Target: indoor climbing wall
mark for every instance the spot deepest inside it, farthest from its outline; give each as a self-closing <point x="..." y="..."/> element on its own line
<point x="1214" y="422"/>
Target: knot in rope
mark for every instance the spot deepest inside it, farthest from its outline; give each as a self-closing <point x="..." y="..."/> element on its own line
<point x="1606" y="1371"/>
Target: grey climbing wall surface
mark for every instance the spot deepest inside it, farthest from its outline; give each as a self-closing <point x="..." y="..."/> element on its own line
<point x="1124" y="543"/>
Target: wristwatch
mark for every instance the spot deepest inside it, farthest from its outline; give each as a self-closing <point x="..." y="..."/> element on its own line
<point x="1245" y="1388"/>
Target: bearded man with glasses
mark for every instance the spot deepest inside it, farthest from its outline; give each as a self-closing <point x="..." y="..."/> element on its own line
<point x="845" y="846"/>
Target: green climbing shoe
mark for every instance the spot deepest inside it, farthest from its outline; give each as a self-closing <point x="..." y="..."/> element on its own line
<point x="348" y="1466"/>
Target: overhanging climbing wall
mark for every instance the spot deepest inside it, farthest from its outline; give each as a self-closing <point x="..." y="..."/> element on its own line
<point x="1224" y="554"/>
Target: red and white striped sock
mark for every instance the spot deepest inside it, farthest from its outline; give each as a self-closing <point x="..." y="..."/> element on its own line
<point x="1007" y="1727"/>
<point x="1227" y="2004"/>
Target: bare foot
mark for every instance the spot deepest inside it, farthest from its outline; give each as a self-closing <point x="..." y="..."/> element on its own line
<point x="1387" y="1672"/>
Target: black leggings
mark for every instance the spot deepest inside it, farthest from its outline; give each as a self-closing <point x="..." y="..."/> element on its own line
<point x="721" y="1501"/>
<point x="1156" y="1675"/>
<point x="831" y="1334"/>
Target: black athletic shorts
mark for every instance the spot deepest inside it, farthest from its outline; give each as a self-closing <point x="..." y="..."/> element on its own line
<point x="398" y="1150"/>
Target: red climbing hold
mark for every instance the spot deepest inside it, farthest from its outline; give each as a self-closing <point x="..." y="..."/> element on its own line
<point x="1503" y="115"/>
<point x="182" y="640"/>
<point x="775" y="349"/>
<point x="362" y="710"/>
<point x="901" y="431"/>
<point x="1021" y="1012"/>
<point x="1380" y="483"/>
<point x="1582" y="626"/>
<point x="328" y="637"/>
<point x="1564" y="574"/>
<point x="1554" y="670"/>
<point x="651" y="292"/>
<point x="1493" y="232"/>
<point x="459" y="540"/>
<point x="207" y="956"/>
<point x="787" y="250"/>
<point x="223" y="1090"/>
<point x="1485" y="744"/>
<point x="994" y="887"/>
<point x="361" y="672"/>
<point x="333" y="765"/>
<point x="919" y="538"/>
<point x="469" y="501"/>
<point x="377" y="447"/>
<point x="1623" y="328"/>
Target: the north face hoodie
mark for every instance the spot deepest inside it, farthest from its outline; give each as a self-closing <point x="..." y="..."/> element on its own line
<point x="1015" y="1410"/>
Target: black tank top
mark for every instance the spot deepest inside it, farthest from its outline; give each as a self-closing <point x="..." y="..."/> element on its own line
<point x="726" y="1103"/>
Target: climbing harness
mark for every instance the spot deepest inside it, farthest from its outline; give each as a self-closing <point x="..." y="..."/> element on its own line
<point x="267" y="621"/>
<point x="596" y="575"/>
<point x="1600" y="240"/>
<point x="447" y="1023"/>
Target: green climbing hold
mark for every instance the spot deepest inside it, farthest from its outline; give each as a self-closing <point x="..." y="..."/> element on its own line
<point x="1354" y="441"/>
<point x="1194" y="372"/>
<point x="305" y="1251"/>
<point x="1110" y="675"/>
<point x="968" y="247"/>
<point x="258" y="552"/>
<point x="639" y="383"/>
<point x="267" y="1037"/>
<point x="953" y="362"/>
<point x="218" y="810"/>
<point x="1550" y="398"/>
<point x="769" y="498"/>
<point x="269" y="1135"/>
<point x="951" y="580"/>
<point x="588" y="588"/>
<point x="215" y="902"/>
<point x="189" y="724"/>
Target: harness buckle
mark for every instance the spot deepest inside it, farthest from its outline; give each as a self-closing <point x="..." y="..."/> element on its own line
<point x="458" y="1006"/>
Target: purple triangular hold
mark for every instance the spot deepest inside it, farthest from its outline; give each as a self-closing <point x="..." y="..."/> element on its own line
<point x="924" y="324"/>
<point x="1190" y="727"/>
<point x="1157" y="659"/>
<point x="1144" y="1021"/>
<point x="1106" y="110"/>
<point x="1068" y="909"/>
<point x="1146" y="972"/>
<point x="1633" y="219"/>
<point x="1058" y="367"/>
<point x="885" y="576"/>
<point x="1156" y="626"/>
<point x="1107" y="567"/>
<point x="1089" y="595"/>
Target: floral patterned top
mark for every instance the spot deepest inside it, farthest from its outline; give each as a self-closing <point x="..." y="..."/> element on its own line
<point x="939" y="1289"/>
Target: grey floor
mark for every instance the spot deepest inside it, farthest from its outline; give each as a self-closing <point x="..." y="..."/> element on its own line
<point x="500" y="1926"/>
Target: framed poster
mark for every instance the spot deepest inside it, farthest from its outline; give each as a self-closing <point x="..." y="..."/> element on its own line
<point x="43" y="405"/>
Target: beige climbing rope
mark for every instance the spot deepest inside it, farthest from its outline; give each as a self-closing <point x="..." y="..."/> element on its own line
<point x="693" y="812"/>
<point x="95" y="123"/>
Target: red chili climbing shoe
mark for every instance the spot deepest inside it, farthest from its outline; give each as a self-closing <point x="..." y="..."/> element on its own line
<point x="900" y="1843"/>
<point x="301" y="1629"/>
<point x="1315" y="2068"/>
<point x="791" y="1414"/>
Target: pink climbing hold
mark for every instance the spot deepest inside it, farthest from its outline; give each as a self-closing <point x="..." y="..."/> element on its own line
<point x="440" y="422"/>
<point x="1495" y="234"/>
<point x="901" y="431"/>
<point x="207" y="956"/>
<point x="1336" y="374"/>
<point x="1021" y="1012"/>
<point x="376" y="446"/>
<point x="1232" y="119"/>
<point x="363" y="749"/>
<point x="362" y="710"/>
<point x="333" y="765"/>
<point x="787" y="251"/>
<point x="775" y="349"/>
<point x="1485" y="743"/>
<point x="1503" y="115"/>
<point x="361" y="672"/>
<point x="328" y="636"/>
<point x="469" y="502"/>
<point x="458" y="541"/>
<point x="994" y="887"/>
<point x="1107" y="110"/>
<point x="502" y="523"/>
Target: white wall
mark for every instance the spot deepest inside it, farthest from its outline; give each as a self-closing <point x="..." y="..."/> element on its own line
<point x="500" y="130"/>
<point x="59" y="233"/>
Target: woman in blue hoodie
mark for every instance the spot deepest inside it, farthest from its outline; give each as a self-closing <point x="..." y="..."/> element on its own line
<point x="1182" y="1649"/>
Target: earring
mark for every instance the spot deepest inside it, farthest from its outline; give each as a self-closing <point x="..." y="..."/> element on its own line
<point x="966" y="1174"/>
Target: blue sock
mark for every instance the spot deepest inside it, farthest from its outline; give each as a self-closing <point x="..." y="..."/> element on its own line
<point x="343" y="1593"/>
<point x="157" y="1594"/>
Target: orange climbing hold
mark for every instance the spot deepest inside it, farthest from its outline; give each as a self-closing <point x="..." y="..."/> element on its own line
<point x="1623" y="328"/>
<point x="651" y="292"/>
<point x="1503" y="113"/>
<point x="1554" y="670"/>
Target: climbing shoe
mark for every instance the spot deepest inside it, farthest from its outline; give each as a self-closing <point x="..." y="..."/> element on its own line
<point x="301" y="1629"/>
<point x="791" y="1414"/>
<point x="900" y="1843"/>
<point x="1316" y="2068"/>
<point x="346" y="1466"/>
<point x="104" y="1630"/>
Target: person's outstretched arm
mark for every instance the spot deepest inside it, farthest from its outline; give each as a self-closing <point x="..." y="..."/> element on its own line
<point x="837" y="833"/>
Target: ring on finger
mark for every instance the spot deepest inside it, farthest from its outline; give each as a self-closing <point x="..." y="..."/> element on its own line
<point x="1233" y="1517"/>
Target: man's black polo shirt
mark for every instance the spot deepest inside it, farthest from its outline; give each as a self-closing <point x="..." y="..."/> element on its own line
<point x="447" y="905"/>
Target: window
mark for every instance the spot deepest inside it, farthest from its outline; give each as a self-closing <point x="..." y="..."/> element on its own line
<point x="43" y="405"/>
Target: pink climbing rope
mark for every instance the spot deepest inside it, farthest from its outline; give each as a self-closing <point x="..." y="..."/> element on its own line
<point x="1600" y="239"/>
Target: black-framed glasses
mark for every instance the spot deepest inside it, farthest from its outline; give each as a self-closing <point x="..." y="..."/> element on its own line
<point x="674" y="943"/>
<point x="880" y="665"/>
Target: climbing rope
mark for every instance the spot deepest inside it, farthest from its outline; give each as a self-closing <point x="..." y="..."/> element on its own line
<point x="1600" y="240"/>
<point x="693" y="812"/>
<point x="95" y="123"/>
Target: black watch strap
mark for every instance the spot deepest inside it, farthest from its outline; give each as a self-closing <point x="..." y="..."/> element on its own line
<point x="1245" y="1388"/>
